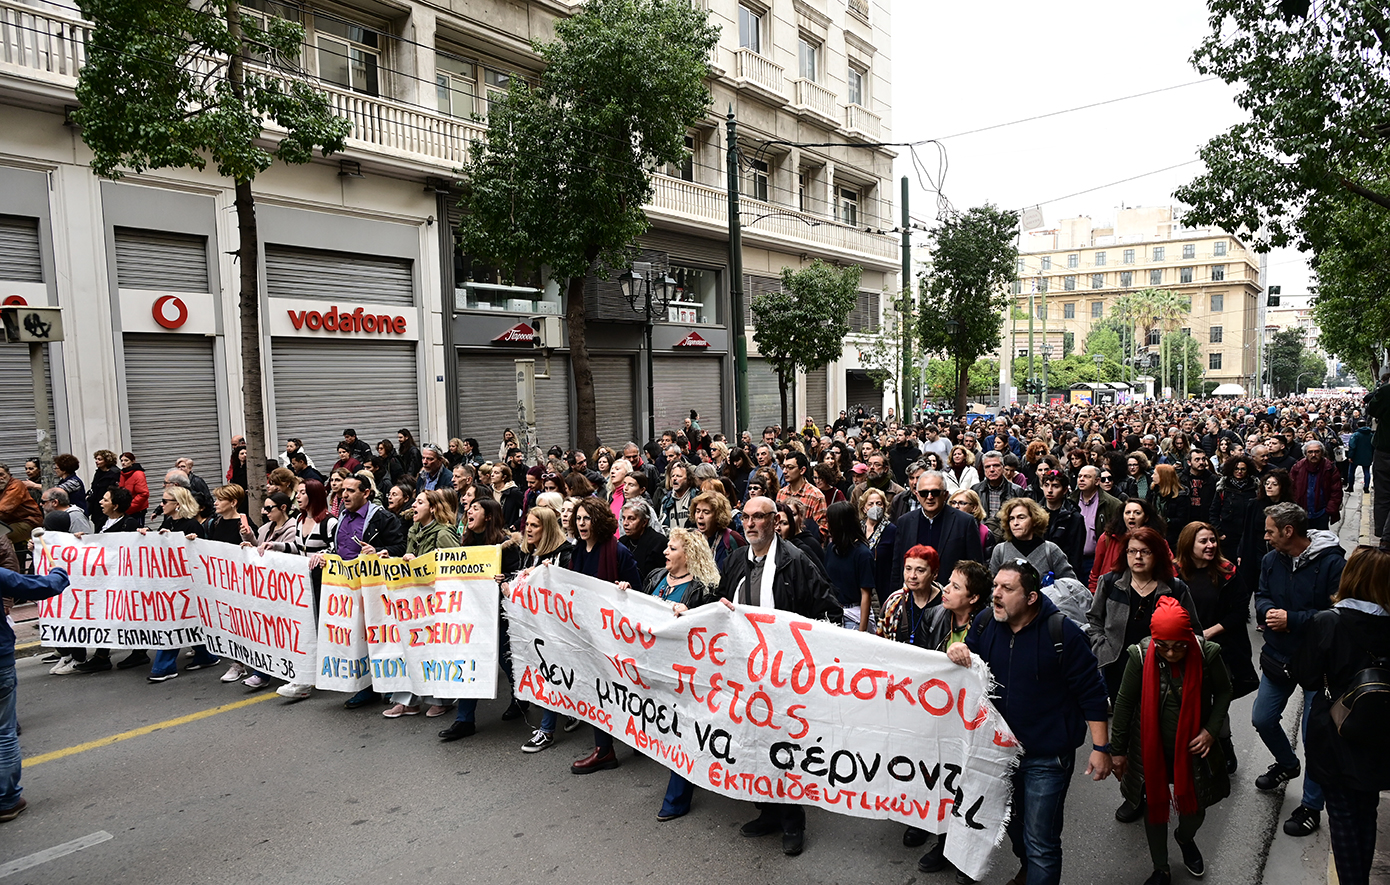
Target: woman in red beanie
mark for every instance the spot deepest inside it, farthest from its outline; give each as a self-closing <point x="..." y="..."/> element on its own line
<point x="1171" y="705"/>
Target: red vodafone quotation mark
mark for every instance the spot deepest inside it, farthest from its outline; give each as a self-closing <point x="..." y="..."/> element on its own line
<point x="162" y="309"/>
<point x="15" y="301"/>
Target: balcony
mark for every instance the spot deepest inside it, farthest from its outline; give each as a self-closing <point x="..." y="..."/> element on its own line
<point x="41" y="46"/>
<point x="755" y="72"/>
<point x="699" y="206"/>
<point x="861" y="121"/>
<point x="860" y="10"/>
<point x="813" y="98"/>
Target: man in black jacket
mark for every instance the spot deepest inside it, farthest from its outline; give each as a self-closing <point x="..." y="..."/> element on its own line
<point x="952" y="533"/>
<point x="1065" y="525"/>
<point x="648" y="546"/>
<point x="793" y="585"/>
<point x="359" y="449"/>
<point x="994" y="489"/>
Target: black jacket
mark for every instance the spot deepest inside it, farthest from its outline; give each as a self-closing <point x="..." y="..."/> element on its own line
<point x="1066" y="528"/>
<point x="102" y="482"/>
<point x="649" y="550"/>
<point x="959" y="539"/>
<point x="797" y="586"/>
<point x="202" y="494"/>
<point x="1335" y="646"/>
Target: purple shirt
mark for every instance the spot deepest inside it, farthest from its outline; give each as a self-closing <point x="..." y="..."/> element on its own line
<point x="351" y="525"/>
<point x="1088" y="512"/>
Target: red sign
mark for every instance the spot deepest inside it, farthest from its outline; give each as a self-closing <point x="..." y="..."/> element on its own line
<point x="170" y="311"/>
<point x="357" y="321"/>
<point x="521" y="333"/>
<point x="692" y="340"/>
<point x="15" y="301"/>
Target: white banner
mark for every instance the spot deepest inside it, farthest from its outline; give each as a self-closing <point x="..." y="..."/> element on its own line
<point x="764" y="705"/>
<point x="158" y="591"/>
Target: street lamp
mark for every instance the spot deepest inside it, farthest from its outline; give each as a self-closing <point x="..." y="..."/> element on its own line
<point x="952" y="330"/>
<point x="1182" y="376"/>
<point x="649" y="298"/>
<point x="1099" y="358"/>
<point x="1047" y="355"/>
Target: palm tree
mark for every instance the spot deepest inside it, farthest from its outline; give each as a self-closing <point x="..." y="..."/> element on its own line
<point x="1169" y="310"/>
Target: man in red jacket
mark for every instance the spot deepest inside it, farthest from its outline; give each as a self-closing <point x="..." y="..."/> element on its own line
<point x="1317" y="486"/>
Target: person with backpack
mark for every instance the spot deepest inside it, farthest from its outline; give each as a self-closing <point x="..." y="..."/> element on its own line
<point x="1343" y="662"/>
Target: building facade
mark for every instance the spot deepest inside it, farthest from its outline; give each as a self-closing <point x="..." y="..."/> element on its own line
<point x="1071" y="274"/>
<point x="371" y="316"/>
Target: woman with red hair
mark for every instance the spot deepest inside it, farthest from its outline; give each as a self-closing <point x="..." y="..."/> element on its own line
<point x="1171" y="705"/>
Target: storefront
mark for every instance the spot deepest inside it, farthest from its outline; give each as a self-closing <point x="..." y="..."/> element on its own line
<point x="816" y="405"/>
<point x="487" y="395"/>
<point x="764" y="397"/>
<point x="689" y="372"/>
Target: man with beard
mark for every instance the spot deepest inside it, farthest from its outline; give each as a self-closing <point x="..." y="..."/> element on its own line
<point x="1279" y="458"/>
<point x="1317" y="486"/>
<point x="1199" y="485"/>
<point x="877" y="477"/>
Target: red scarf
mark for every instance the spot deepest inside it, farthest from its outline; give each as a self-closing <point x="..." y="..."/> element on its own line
<point x="608" y="560"/>
<point x="1170" y="623"/>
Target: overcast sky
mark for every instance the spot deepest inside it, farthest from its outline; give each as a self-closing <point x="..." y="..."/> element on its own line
<point x="962" y="67"/>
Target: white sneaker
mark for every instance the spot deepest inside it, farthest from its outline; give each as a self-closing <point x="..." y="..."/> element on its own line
<point x="294" y="692"/>
<point x="63" y="667"/>
<point x="540" y="740"/>
<point x="235" y="673"/>
<point x="256" y="682"/>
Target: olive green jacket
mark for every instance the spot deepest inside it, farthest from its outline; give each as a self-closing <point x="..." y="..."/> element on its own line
<point x="426" y="539"/>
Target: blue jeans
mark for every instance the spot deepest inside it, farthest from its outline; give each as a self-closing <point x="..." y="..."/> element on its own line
<point x="1268" y="710"/>
<point x="1035" y="827"/>
<point x="679" y="792"/>
<point x="166" y="660"/>
<point x="548" y="720"/>
<point x="9" y="740"/>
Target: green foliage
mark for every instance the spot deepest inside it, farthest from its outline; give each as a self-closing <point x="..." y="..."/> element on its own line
<point x="1351" y="307"/>
<point x="157" y="92"/>
<point x="1182" y="355"/>
<point x="1316" y="90"/>
<point x="882" y="351"/>
<point x="1068" y="343"/>
<point x="974" y="260"/>
<point x="1294" y="365"/>
<point x="562" y="178"/>
<point x="802" y="326"/>
<point x="941" y="379"/>
<point x="1105" y="342"/>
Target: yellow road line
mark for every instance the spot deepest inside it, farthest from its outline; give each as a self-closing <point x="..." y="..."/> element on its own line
<point x="138" y="732"/>
<point x="23" y="645"/>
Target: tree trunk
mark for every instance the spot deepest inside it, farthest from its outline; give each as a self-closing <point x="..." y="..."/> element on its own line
<point x="782" y="389"/>
<point x="962" y="383"/>
<point x="586" y="411"/>
<point x="248" y="255"/>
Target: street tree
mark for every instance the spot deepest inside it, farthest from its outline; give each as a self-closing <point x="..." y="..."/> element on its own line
<point x="1350" y="306"/>
<point x="802" y="326"/>
<point x="881" y="352"/>
<point x="1313" y="81"/>
<point x="1293" y="364"/>
<point x="565" y="171"/>
<point x="167" y="85"/>
<point x="964" y="295"/>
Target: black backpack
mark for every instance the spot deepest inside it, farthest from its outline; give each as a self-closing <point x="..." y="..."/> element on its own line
<point x="1362" y="714"/>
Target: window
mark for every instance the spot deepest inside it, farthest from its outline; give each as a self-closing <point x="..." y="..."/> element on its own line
<point x="801" y="191"/>
<point x="1042" y="284"/>
<point x="808" y="56"/>
<point x="454" y="84"/>
<point x="1154" y="338"/>
<point x="1156" y="277"/>
<point x="1214" y="361"/>
<point x="1218" y="272"/>
<point x="855" y="86"/>
<point x="1097" y="280"/>
<point x="1218" y="303"/>
<point x="1041" y="311"/>
<point x="685" y="169"/>
<point x="697" y="295"/>
<point x="1218" y="248"/>
<point x="1159" y="252"/>
<point x="1100" y="259"/>
<point x="1186" y="330"/>
<point x="258" y="13"/>
<point x="1069" y="310"/>
<point x="1018" y="287"/>
<point x="1189" y="250"/>
<point x="1184" y="275"/>
<point x="750" y="28"/>
<point x="495" y="84"/>
<point x="1047" y="262"/>
<point x="757" y="181"/>
<point x="1021" y="267"/>
<point x="849" y="206"/>
<point x="347" y="55"/>
<point x="1129" y="256"/>
<point x="1214" y="336"/>
<point x="1126" y="279"/>
<point x="1097" y="309"/>
<point x="1069" y="282"/>
<point x="1073" y="260"/>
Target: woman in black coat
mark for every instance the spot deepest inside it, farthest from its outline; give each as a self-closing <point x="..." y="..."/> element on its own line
<point x="107" y="476"/>
<point x="1235" y="492"/>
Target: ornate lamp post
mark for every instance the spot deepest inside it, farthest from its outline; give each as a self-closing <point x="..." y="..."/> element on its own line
<point x="649" y="297"/>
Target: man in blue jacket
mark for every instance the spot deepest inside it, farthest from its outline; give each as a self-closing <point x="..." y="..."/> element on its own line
<point x="14" y="585"/>
<point x="1049" y="697"/>
<point x="1297" y="580"/>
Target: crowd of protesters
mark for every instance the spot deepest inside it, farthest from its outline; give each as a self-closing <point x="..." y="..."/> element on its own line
<point x="1102" y="561"/>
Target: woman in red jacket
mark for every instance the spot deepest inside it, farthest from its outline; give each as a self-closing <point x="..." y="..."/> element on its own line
<point x="133" y="480"/>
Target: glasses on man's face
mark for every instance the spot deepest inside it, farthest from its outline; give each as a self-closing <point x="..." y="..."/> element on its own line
<point x="759" y="515"/>
<point x="930" y="493"/>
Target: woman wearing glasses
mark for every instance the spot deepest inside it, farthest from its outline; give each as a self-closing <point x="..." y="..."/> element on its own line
<point x="968" y="502"/>
<point x="280" y="534"/>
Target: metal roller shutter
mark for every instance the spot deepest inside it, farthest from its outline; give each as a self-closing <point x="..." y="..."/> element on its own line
<point x="318" y="273"/>
<point x="20" y="259"/>
<point x="152" y="259"/>
<point x="684" y="247"/>
<point x="322" y="387"/>
<point x="764" y="397"/>
<point x="860" y="390"/>
<point x="171" y="400"/>
<point x="815" y="396"/>
<point x="685" y="383"/>
<point x="18" y="425"/>
<point x="487" y="400"/>
<point x="615" y="383"/>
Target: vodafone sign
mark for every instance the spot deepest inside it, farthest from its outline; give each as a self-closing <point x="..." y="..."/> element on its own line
<point x="356" y="322"/>
<point x="170" y="311"/>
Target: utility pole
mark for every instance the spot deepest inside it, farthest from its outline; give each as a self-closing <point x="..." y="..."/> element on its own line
<point x="905" y="388"/>
<point x="1042" y="314"/>
<point x="736" y="283"/>
<point x="1032" y="311"/>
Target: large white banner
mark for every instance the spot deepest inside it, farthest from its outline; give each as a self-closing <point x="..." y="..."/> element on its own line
<point x="764" y="705"/>
<point x="162" y="591"/>
<point x="427" y="626"/>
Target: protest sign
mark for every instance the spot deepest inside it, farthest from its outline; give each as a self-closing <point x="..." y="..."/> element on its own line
<point x="764" y="705"/>
<point x="157" y="591"/>
<point x="427" y="626"/>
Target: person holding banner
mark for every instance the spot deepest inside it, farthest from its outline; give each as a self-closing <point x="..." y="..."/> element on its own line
<point x="776" y="574"/>
<point x="432" y="530"/>
<point x="180" y="510"/>
<point x="29" y="588"/>
<point x="316" y="527"/>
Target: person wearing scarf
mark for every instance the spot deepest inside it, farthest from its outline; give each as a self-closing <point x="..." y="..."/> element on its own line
<point x="1171" y="705"/>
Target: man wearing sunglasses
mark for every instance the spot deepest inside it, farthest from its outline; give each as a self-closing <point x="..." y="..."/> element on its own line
<point x="952" y="533"/>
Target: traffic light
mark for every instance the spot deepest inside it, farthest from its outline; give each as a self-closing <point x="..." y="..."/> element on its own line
<point x="1274" y="296"/>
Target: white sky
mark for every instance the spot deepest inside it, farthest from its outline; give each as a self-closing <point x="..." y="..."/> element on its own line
<point x="958" y="67"/>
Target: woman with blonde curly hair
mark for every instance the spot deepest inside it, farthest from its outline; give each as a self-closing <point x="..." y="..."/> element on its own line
<point x="960" y="470"/>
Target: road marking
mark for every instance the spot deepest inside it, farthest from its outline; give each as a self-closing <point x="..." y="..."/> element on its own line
<point x="57" y="851"/>
<point x="139" y="732"/>
<point x="23" y="645"/>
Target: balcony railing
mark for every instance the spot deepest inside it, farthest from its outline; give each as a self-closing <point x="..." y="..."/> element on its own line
<point x="861" y="120"/>
<point x="757" y="71"/>
<point x="33" y="42"/>
<point x="814" y="97"/>
<point x="687" y="201"/>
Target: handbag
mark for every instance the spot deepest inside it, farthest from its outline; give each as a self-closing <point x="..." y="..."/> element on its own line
<point x="1277" y="670"/>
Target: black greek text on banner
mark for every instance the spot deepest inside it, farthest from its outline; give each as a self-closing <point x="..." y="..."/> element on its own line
<point x="764" y="705"/>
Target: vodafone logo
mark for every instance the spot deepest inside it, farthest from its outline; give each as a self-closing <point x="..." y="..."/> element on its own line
<point x="342" y="321"/>
<point x="15" y="301"/>
<point x="170" y="311"/>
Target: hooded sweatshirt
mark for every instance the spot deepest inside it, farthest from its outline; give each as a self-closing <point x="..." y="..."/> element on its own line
<point x="1301" y="585"/>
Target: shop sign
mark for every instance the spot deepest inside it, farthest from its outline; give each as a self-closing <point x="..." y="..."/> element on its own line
<point x="170" y="311"/>
<point x="694" y="339"/>
<point x="520" y="334"/>
<point x="357" y="321"/>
